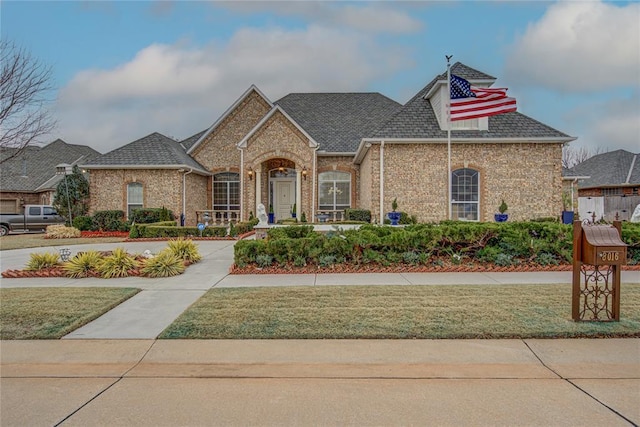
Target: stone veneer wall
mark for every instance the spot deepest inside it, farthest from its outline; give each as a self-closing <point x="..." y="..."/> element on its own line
<point x="526" y="175"/>
<point x="219" y="152"/>
<point x="277" y="139"/>
<point x="197" y="190"/>
<point x="161" y="187"/>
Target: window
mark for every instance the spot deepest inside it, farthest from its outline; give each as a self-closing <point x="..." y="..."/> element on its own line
<point x="49" y="211"/>
<point x="334" y="190"/>
<point x="617" y="191"/>
<point x="464" y="195"/>
<point x="34" y="210"/>
<point x="134" y="197"/>
<point x="226" y="191"/>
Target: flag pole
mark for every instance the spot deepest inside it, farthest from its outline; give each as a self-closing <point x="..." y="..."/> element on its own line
<point x="449" y="135"/>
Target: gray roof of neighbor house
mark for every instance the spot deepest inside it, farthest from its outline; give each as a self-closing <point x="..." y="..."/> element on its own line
<point x="34" y="169"/>
<point x="152" y="151"/>
<point x="614" y="168"/>
<point x="338" y="121"/>
<point x="417" y="120"/>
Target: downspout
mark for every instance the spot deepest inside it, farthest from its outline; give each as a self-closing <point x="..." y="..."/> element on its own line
<point x="381" y="182"/>
<point x="313" y="190"/>
<point x="242" y="192"/>
<point x="572" y="183"/>
<point x="184" y="192"/>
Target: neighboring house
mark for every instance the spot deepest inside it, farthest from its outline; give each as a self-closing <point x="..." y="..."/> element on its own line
<point x="608" y="184"/>
<point x="325" y="152"/>
<point x="30" y="177"/>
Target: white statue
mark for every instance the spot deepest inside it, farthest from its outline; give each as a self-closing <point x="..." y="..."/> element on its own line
<point x="262" y="216"/>
<point x="636" y="215"/>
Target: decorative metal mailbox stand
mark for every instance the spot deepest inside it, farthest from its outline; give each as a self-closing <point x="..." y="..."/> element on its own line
<point x="598" y="253"/>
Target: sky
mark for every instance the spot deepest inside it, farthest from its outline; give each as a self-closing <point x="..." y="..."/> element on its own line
<point x="124" y="69"/>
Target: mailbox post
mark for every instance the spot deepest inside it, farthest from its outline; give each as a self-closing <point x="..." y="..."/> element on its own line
<point x="598" y="253"/>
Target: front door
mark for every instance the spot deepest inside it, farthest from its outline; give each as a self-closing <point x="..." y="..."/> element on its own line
<point x="284" y="197"/>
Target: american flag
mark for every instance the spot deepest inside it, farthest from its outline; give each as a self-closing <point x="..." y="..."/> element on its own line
<point x="470" y="102"/>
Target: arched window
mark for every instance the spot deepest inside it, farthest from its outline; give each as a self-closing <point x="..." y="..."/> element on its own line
<point x="226" y="191"/>
<point x="334" y="190"/>
<point x="465" y="195"/>
<point x="134" y="197"/>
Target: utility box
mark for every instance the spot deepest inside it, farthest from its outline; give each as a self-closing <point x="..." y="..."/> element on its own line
<point x="598" y="254"/>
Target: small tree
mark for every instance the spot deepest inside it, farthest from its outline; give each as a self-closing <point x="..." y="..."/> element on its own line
<point x="78" y="194"/>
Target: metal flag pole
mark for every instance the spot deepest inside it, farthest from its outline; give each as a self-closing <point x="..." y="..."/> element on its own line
<point x="449" y="134"/>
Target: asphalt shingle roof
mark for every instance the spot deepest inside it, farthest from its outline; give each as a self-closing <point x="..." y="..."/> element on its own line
<point x="417" y="120"/>
<point x="188" y="142"/>
<point x="609" y="169"/>
<point x="34" y="167"/>
<point x="338" y="121"/>
<point x="150" y="151"/>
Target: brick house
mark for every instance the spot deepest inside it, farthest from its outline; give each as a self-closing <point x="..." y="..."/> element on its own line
<point x="607" y="184"/>
<point x="324" y="152"/>
<point x="30" y="178"/>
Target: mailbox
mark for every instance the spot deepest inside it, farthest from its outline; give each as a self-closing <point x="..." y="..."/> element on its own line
<point x="601" y="245"/>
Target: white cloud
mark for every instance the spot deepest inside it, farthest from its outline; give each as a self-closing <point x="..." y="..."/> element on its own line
<point x="179" y="90"/>
<point x="579" y="46"/>
<point x="368" y="17"/>
<point x="610" y="125"/>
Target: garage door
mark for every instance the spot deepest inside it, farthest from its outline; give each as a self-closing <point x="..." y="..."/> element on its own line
<point x="9" y="206"/>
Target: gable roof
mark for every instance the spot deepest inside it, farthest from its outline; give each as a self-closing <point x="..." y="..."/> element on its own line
<point x="615" y="168"/>
<point x="338" y="121"/>
<point x="417" y="120"/>
<point x="34" y="169"/>
<point x="205" y="134"/>
<point x="154" y="151"/>
<point x="188" y="142"/>
<point x="277" y="108"/>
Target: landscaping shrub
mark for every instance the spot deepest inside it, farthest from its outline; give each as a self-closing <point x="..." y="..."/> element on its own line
<point x="292" y="232"/>
<point x="118" y="264"/>
<point x="151" y="215"/>
<point x="264" y="260"/>
<point x="60" y="231"/>
<point x="84" y="264"/>
<point x="185" y="250"/>
<point x="363" y="215"/>
<point x="44" y="260"/>
<point x="112" y="220"/>
<point x="151" y="231"/>
<point x="165" y="264"/>
<point x="84" y="223"/>
<point x="245" y="251"/>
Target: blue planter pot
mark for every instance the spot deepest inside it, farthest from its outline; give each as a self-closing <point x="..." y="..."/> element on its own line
<point x="272" y="218"/>
<point x="394" y="217"/>
<point x="567" y="217"/>
<point x="499" y="217"/>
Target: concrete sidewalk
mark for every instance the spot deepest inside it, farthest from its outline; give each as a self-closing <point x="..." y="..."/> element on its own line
<point x="342" y="382"/>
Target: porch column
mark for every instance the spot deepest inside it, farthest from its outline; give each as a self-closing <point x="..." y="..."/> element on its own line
<point x="258" y="175"/>
<point x="298" y="193"/>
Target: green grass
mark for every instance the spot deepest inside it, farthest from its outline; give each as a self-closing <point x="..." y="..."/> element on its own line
<point x="50" y="313"/>
<point x="501" y="311"/>
<point x="24" y="241"/>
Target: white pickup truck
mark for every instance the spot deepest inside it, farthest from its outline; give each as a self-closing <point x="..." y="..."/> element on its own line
<point x="35" y="218"/>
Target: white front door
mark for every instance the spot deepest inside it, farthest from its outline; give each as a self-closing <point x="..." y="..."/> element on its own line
<point x="285" y="197"/>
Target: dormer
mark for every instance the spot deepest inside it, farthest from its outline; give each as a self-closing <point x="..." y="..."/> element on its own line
<point x="439" y="98"/>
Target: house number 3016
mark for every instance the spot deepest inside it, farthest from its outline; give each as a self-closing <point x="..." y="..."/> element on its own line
<point x="610" y="256"/>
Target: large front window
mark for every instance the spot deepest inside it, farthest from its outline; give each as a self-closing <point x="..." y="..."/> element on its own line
<point x="226" y="191"/>
<point x="134" y="197"/>
<point x="334" y="190"/>
<point x="464" y="195"/>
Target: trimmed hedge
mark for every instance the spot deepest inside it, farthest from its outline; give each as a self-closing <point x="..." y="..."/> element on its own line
<point x="112" y="220"/>
<point x="151" y="231"/>
<point x="512" y="243"/>
<point x="363" y="215"/>
<point x="151" y="215"/>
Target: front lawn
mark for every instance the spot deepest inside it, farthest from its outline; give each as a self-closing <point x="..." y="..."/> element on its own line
<point x="500" y="311"/>
<point x="51" y="313"/>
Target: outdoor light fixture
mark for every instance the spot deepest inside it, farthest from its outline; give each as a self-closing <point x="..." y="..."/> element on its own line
<point x="304" y="172"/>
<point x="250" y="173"/>
<point x="281" y="169"/>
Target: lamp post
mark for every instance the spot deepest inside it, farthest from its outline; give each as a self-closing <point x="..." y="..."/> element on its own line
<point x="65" y="169"/>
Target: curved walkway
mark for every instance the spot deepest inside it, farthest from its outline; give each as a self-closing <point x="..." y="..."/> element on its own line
<point x="161" y="301"/>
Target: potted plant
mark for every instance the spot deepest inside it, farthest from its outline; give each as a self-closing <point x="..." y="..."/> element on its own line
<point x="394" y="216"/>
<point x="293" y="211"/>
<point x="567" y="214"/>
<point x="272" y="216"/>
<point x="502" y="216"/>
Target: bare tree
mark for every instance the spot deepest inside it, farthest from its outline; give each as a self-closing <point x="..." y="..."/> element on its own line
<point x="572" y="156"/>
<point x="24" y="85"/>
